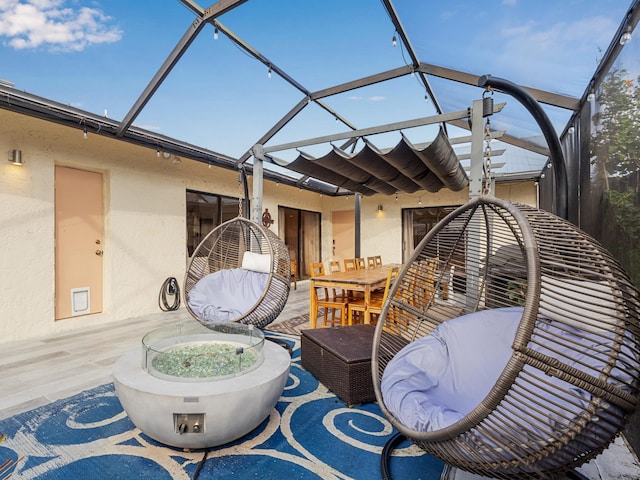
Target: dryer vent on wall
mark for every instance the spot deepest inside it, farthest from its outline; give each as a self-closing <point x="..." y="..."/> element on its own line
<point x="80" y="301"/>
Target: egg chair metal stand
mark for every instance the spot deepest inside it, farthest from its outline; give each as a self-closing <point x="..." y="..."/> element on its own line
<point x="569" y="381"/>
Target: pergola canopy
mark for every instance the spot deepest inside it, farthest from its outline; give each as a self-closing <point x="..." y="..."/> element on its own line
<point x="404" y="168"/>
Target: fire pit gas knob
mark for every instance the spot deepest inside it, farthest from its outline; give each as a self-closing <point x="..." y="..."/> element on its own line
<point x="182" y="428"/>
<point x="196" y="428"/>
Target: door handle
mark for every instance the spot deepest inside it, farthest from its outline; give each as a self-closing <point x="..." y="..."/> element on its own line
<point x="99" y="252"/>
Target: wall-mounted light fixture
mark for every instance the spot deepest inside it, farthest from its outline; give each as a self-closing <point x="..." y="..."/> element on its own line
<point x="15" y="157"/>
<point x="380" y="209"/>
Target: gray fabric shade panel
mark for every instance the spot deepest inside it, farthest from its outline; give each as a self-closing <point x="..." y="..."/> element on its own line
<point x="403" y="169"/>
<point x="406" y="160"/>
<point x="338" y="161"/>
<point x="371" y="160"/>
<point x="307" y="165"/>
<point x="440" y="158"/>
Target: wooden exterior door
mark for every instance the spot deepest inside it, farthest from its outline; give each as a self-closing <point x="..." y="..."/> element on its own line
<point x="79" y="221"/>
<point x="344" y="224"/>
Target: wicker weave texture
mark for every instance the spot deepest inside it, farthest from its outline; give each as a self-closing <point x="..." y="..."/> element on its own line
<point x="328" y="355"/>
<point x="493" y="254"/>
<point x="224" y="247"/>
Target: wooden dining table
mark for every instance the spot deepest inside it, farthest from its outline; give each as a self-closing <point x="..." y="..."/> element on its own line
<point x="365" y="281"/>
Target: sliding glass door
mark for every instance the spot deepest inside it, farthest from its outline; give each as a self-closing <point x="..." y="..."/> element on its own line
<point x="416" y="222"/>
<point x="300" y="230"/>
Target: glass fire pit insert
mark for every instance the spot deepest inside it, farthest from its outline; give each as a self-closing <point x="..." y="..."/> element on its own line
<point x="191" y="352"/>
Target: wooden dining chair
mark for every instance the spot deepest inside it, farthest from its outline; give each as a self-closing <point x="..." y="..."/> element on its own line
<point x="325" y="300"/>
<point x="350" y="264"/>
<point x="371" y="262"/>
<point x="294" y="273"/>
<point x="376" y="303"/>
<point x="334" y="266"/>
<point x="360" y="264"/>
<point x="378" y="260"/>
<point x="425" y="273"/>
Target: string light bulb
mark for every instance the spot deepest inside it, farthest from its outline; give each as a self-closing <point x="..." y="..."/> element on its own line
<point x="419" y="200"/>
<point x="84" y="132"/>
<point x="394" y="41"/>
<point x="626" y="36"/>
<point x="215" y="33"/>
<point x="269" y="72"/>
<point x="158" y="152"/>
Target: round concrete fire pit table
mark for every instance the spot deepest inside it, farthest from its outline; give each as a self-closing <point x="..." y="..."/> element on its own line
<point x="192" y="386"/>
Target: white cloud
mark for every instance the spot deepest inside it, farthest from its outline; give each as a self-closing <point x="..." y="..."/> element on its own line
<point x="49" y="24"/>
<point x="539" y="52"/>
<point x="374" y="98"/>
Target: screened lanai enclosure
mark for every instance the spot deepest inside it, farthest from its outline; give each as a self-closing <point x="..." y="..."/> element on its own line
<point x="381" y="97"/>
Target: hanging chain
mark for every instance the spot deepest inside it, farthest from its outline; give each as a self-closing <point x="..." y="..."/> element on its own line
<point x="240" y="194"/>
<point x="487" y="111"/>
<point x="486" y="166"/>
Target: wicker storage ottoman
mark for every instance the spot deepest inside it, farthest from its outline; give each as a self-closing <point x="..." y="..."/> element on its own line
<point x="340" y="358"/>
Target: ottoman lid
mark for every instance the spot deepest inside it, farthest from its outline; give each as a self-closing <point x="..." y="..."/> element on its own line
<point x="351" y="344"/>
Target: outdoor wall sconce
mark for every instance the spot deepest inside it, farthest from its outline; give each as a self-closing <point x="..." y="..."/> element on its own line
<point x="15" y="157"/>
<point x="380" y="209"/>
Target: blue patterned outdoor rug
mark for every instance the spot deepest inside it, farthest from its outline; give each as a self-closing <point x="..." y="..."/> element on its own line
<point x="311" y="434"/>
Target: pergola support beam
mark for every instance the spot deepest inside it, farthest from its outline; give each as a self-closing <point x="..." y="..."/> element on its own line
<point x="187" y="39"/>
<point x="542" y="96"/>
<point x="390" y="127"/>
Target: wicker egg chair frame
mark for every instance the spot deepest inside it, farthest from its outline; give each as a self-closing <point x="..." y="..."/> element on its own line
<point x="224" y="248"/>
<point x="493" y="254"/>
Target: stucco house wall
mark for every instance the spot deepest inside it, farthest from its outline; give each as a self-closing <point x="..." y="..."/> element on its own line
<point x="145" y="231"/>
<point x="144" y="220"/>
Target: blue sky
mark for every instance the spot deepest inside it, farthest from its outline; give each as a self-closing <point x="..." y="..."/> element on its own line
<point x="99" y="55"/>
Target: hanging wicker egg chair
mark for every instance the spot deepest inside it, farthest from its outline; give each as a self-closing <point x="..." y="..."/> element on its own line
<point x="240" y="272"/>
<point x="509" y="344"/>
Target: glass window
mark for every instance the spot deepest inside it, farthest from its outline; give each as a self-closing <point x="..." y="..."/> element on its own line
<point x="416" y="222"/>
<point x="205" y="211"/>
